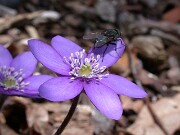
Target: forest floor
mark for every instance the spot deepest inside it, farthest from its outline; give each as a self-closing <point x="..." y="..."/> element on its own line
<point x="151" y="32"/>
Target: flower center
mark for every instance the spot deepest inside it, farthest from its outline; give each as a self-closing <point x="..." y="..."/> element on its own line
<point x="11" y="79"/>
<point x="85" y="67"/>
<point x="85" y="70"/>
<point x="9" y="83"/>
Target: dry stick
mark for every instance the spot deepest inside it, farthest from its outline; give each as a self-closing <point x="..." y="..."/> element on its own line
<point x="138" y="82"/>
<point x="124" y="131"/>
<point x="2" y="100"/>
<point x="166" y="36"/>
<point x="8" y="22"/>
<point x="68" y="116"/>
<point x="160" y="25"/>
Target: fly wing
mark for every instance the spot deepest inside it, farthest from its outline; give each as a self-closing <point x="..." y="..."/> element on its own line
<point x="91" y="36"/>
<point x="101" y="40"/>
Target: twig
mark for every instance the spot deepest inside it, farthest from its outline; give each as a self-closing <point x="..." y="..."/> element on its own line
<point x="132" y="67"/>
<point x="146" y="100"/>
<point x="7" y="11"/>
<point x="124" y="131"/>
<point x="166" y="36"/>
<point x="68" y="116"/>
<point x="161" y="25"/>
<point x="156" y="119"/>
<point x="7" y="22"/>
<point x="2" y="100"/>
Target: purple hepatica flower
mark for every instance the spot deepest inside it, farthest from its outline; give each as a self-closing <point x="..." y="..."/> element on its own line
<point x="80" y="71"/>
<point x="15" y="74"/>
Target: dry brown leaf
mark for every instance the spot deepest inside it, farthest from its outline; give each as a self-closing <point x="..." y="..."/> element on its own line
<point x="36" y="114"/>
<point x="5" y="130"/>
<point x="168" y="112"/>
<point x="145" y="125"/>
<point x="129" y="104"/>
<point x="122" y="65"/>
<point x="150" y="47"/>
<point x="152" y="80"/>
<point x="172" y="15"/>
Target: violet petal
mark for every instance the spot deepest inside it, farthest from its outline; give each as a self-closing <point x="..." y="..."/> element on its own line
<point x="48" y="57"/>
<point x="35" y="82"/>
<point x="25" y="61"/>
<point x="20" y="93"/>
<point x="123" y="86"/>
<point x="111" y="55"/>
<point x="60" y="89"/>
<point x="105" y="99"/>
<point x="5" y="56"/>
<point x="64" y="46"/>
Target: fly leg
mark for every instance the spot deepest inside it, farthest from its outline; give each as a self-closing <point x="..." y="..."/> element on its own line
<point x="114" y="43"/>
<point x="92" y="50"/>
<point x="104" y="52"/>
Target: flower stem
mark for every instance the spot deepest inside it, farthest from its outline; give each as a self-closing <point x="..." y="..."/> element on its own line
<point x="68" y="116"/>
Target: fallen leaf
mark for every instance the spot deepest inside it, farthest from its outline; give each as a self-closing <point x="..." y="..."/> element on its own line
<point x="149" y="47"/>
<point x="172" y="15"/>
<point x="145" y="125"/>
<point x="36" y="114"/>
<point x="168" y="112"/>
<point x="129" y="104"/>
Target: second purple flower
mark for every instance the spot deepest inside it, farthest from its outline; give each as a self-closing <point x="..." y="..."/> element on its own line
<point x="16" y="77"/>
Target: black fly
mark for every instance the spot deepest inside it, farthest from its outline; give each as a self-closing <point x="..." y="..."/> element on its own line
<point x="104" y="38"/>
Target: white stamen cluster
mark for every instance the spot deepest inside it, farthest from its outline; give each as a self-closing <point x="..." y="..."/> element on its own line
<point x="85" y="67"/>
<point x="11" y="79"/>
